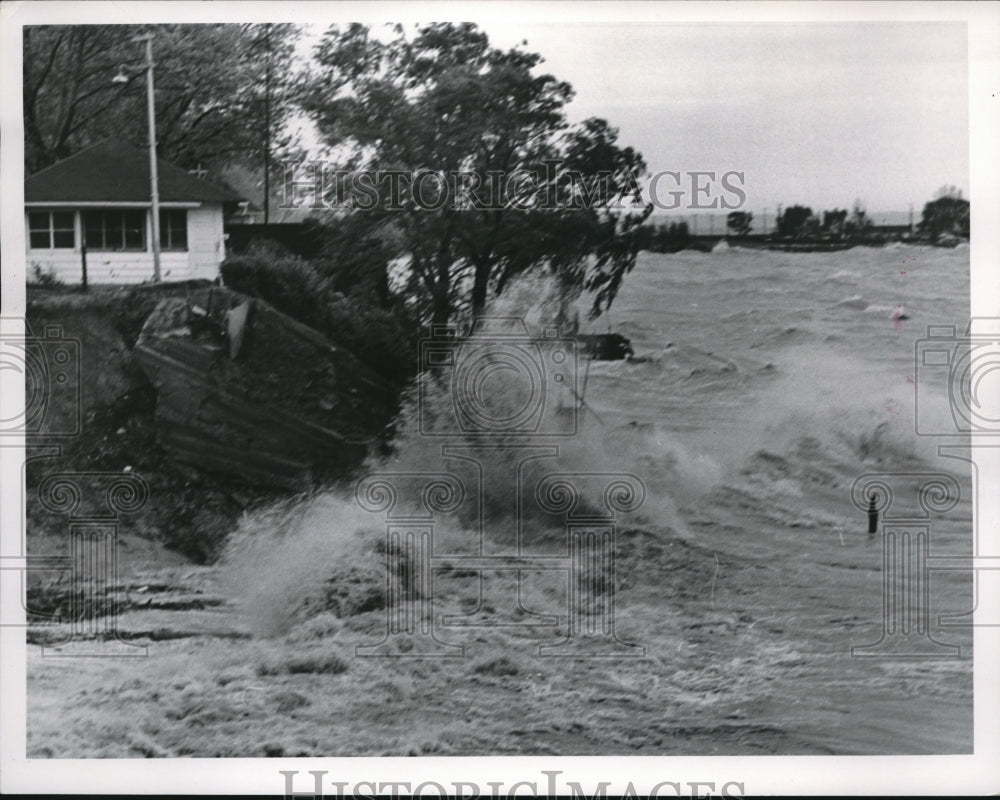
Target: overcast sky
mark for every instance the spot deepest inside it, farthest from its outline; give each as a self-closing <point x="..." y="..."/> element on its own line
<point x="813" y="113"/>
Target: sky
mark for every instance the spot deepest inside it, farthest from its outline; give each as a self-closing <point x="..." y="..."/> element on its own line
<point x="821" y="113"/>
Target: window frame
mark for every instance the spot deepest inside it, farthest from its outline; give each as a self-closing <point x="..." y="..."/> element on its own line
<point x="123" y="229"/>
<point x="167" y="231"/>
<point x="51" y="230"/>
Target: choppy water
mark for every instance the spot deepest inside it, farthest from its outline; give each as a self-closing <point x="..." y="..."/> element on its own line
<point x="777" y="379"/>
<point x="764" y="385"/>
<point x="745" y="340"/>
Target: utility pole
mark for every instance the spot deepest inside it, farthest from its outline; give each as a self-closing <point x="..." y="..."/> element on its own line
<point x="267" y="127"/>
<point x="154" y="184"/>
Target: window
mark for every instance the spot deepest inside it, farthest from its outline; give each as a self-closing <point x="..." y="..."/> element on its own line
<point x="173" y="230"/>
<point x="48" y="230"/>
<point x="115" y="230"/>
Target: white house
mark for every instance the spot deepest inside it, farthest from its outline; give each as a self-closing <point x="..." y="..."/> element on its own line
<point x="100" y="197"/>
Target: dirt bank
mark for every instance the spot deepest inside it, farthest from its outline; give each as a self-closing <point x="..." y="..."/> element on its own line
<point x="191" y="508"/>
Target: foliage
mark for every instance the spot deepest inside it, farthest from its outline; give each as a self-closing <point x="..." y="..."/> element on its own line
<point x="355" y="255"/>
<point x="834" y="221"/>
<point x="289" y="283"/>
<point x="45" y="278"/>
<point x="739" y="222"/>
<point x="444" y="101"/>
<point x="666" y="238"/>
<point x="384" y="338"/>
<point x="948" y="190"/>
<point x="947" y="214"/>
<point x="859" y="222"/>
<point x="794" y="221"/>
<point x="222" y="91"/>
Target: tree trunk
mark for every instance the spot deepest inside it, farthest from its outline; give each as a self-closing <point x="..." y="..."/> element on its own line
<point x="441" y="309"/>
<point x="442" y="291"/>
<point x="480" y="285"/>
<point x="382" y="286"/>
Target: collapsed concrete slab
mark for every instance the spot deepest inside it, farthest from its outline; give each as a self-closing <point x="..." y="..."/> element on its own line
<point x="246" y="391"/>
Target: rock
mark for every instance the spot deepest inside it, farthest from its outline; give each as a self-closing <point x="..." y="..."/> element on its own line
<point x="604" y="346"/>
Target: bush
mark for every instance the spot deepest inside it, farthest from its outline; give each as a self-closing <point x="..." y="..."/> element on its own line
<point x="44" y="278"/>
<point x="665" y="238"/>
<point x="287" y="282"/>
<point x="382" y="338"/>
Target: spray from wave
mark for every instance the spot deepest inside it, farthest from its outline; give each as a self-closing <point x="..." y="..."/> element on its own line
<point x="818" y="413"/>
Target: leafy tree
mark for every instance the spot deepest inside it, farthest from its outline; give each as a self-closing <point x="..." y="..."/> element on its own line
<point x="948" y="213"/>
<point x="223" y="92"/>
<point x="834" y="221"/>
<point x="664" y="238"/>
<point x="794" y="221"/>
<point x="739" y="222"/>
<point x="355" y="257"/>
<point x="859" y="223"/>
<point x="510" y="186"/>
<point x="670" y="238"/>
<point x="948" y="190"/>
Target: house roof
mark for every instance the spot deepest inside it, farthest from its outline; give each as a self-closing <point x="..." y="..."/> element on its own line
<point x="116" y="172"/>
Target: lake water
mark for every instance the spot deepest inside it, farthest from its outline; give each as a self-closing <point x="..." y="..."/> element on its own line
<point x="764" y="385"/>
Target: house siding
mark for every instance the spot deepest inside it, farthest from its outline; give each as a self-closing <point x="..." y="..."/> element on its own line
<point x="66" y="265"/>
<point x="205" y="241"/>
<point x="201" y="260"/>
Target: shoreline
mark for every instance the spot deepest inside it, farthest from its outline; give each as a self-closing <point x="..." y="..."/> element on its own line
<point x="707" y="244"/>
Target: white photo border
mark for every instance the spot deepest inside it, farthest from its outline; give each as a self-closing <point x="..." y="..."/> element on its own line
<point x="758" y="775"/>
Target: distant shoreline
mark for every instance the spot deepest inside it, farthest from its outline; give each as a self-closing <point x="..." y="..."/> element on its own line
<point x="706" y="243"/>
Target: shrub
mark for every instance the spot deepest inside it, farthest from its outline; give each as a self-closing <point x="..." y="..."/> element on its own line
<point x="287" y="282"/>
<point x="45" y="278"/>
<point x="382" y="338"/>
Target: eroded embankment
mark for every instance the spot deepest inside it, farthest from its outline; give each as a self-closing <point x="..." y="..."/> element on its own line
<point x="111" y="424"/>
